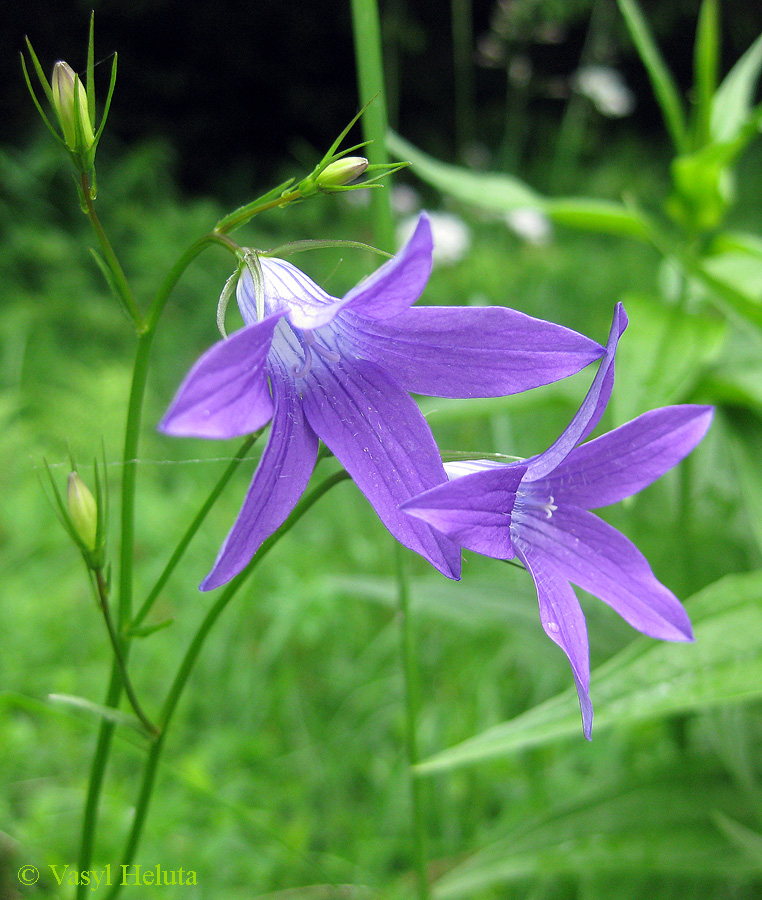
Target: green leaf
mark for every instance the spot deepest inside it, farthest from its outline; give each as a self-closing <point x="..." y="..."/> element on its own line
<point x="664" y="826"/>
<point x="90" y="82"/>
<point x="664" y="354"/>
<point x="661" y="78"/>
<point x="503" y="193"/>
<point x="601" y="216"/>
<point x="736" y="381"/>
<point x="746" y="447"/>
<point x="493" y="191"/>
<point x="705" y="60"/>
<point x="732" y="105"/>
<point x="745" y="839"/>
<point x="141" y="631"/>
<point x="96" y="709"/>
<point x="648" y="679"/>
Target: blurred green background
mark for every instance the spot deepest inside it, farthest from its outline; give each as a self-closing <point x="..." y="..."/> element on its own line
<point x="285" y="773"/>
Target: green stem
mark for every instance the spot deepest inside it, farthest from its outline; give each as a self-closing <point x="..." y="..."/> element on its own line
<point x="412" y="704"/>
<point x="463" y="50"/>
<point x="119" y="279"/>
<point x="102" y="593"/>
<point x="189" y="660"/>
<point x="243" y="215"/>
<point x="370" y="76"/>
<point x="95" y="784"/>
<point x="146" y="329"/>
<point x="193" y="528"/>
<point x="173" y="276"/>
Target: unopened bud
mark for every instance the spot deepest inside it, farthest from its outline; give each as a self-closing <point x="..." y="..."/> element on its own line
<point x="342" y="171"/>
<point x="83" y="511"/>
<point x="76" y="126"/>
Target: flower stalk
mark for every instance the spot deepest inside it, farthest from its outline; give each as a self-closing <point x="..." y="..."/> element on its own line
<point x="412" y="703"/>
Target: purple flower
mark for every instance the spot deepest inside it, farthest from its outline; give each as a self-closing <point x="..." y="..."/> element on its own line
<point x="538" y="510"/>
<point x="340" y="371"/>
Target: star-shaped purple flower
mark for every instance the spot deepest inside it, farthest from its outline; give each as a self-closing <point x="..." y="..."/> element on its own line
<point x="538" y="510"/>
<point x="340" y="371"/>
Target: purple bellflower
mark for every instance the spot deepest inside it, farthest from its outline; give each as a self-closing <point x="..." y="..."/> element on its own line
<point x="538" y="510"/>
<point x="340" y="371"/>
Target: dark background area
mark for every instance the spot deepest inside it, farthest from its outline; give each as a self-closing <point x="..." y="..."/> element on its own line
<point x="236" y="87"/>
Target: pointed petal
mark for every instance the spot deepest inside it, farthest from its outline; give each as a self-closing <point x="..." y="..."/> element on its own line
<point x="589" y="414"/>
<point x="226" y="393"/>
<point x="563" y="621"/>
<point x="281" y="477"/>
<point x="391" y="289"/>
<point x="631" y="457"/>
<point x="601" y="560"/>
<point x="470" y="351"/>
<point x="474" y="510"/>
<point x="395" y="286"/>
<point x="380" y="437"/>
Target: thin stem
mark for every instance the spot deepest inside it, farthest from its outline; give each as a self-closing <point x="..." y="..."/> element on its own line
<point x="129" y="476"/>
<point x="146" y="329"/>
<point x="412" y="704"/>
<point x="189" y="660"/>
<point x="102" y="594"/>
<point x="95" y="784"/>
<point x="235" y="220"/>
<point x="173" y="276"/>
<point x="193" y="528"/>
<point x="370" y="76"/>
<point x="119" y="279"/>
<point x="463" y="49"/>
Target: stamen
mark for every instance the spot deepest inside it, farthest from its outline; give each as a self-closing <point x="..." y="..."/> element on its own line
<point x="310" y="343"/>
<point x="330" y="355"/>
<point x="549" y="507"/>
<point x="301" y="372"/>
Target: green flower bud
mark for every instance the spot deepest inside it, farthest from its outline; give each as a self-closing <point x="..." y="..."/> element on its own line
<point x="70" y="103"/>
<point x="342" y="171"/>
<point x="83" y="511"/>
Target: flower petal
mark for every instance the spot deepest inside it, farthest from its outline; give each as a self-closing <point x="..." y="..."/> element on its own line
<point x="563" y="621"/>
<point x="601" y="560"/>
<point x="474" y="510"/>
<point x="398" y="283"/>
<point x="281" y="477"/>
<point x="286" y="289"/>
<point x="469" y="351"/>
<point x="226" y="393"/>
<point x="631" y="457"/>
<point x="380" y="437"/>
<point x="591" y="410"/>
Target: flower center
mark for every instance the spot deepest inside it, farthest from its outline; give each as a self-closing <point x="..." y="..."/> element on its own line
<point x="310" y="343"/>
<point x="529" y="500"/>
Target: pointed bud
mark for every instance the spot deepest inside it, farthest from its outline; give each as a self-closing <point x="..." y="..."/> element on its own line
<point x="83" y="511"/>
<point x="342" y="171"/>
<point x="70" y="104"/>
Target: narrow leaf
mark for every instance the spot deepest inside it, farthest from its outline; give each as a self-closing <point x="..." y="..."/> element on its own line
<point x="107" y="105"/>
<point x="489" y="190"/>
<point x="90" y="76"/>
<point x="733" y="101"/>
<point x="666" y="352"/>
<point x="601" y="216"/>
<point x="663" y="826"/>
<point x="97" y="709"/>
<point x="705" y="60"/>
<point x="745" y="443"/>
<point x="661" y="78"/>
